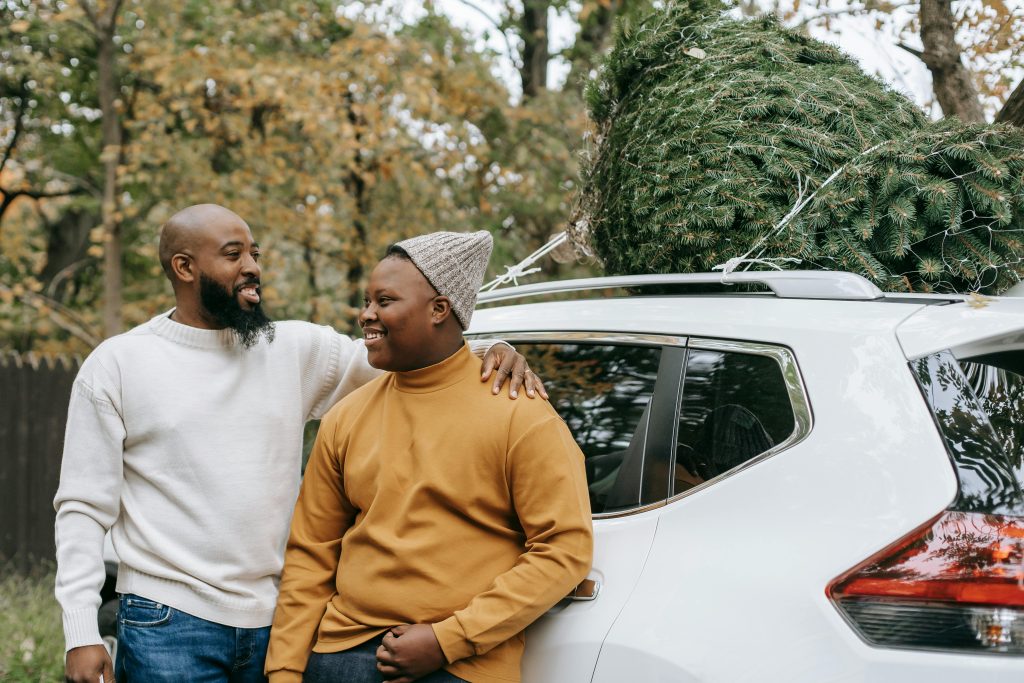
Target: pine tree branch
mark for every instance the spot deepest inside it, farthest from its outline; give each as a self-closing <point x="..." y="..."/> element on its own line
<point x="798" y="206"/>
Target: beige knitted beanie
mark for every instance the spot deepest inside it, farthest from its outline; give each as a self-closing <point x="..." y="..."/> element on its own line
<point x="454" y="263"/>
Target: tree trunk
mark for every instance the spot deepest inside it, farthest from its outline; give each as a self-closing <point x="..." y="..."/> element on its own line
<point x="111" y="131"/>
<point x="954" y="88"/>
<point x="1013" y="110"/>
<point x="103" y="17"/>
<point x="590" y="42"/>
<point x="355" y="185"/>
<point x="67" y="241"/>
<point x="534" y="32"/>
<point x="8" y="196"/>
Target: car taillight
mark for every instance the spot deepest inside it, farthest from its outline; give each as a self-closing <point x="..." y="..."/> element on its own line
<point x="957" y="583"/>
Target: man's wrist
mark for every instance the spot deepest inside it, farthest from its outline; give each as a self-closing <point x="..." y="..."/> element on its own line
<point x="81" y="628"/>
<point x="480" y="347"/>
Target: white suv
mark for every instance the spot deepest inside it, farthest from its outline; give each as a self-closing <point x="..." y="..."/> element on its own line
<point x="820" y="482"/>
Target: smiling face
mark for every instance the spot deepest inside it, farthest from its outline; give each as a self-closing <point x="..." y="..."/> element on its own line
<point x="405" y="323"/>
<point x="213" y="262"/>
<point x="227" y="255"/>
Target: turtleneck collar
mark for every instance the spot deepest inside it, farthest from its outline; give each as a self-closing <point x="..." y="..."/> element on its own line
<point x="448" y="372"/>
<point x="197" y="337"/>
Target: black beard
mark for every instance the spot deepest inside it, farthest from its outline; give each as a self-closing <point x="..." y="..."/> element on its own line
<point x="223" y="307"/>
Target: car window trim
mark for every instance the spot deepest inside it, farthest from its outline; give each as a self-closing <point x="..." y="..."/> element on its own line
<point x="803" y="417"/>
<point x="660" y="446"/>
<point x="573" y="337"/>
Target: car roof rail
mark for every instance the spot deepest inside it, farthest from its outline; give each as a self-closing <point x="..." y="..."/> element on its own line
<point x="786" y="284"/>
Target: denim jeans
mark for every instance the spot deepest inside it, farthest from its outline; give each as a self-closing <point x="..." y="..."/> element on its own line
<point x="357" y="665"/>
<point x="159" y="644"/>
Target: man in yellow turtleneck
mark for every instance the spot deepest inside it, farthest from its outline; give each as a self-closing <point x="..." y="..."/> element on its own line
<point x="433" y="526"/>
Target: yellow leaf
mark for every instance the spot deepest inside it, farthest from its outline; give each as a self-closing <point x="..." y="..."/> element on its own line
<point x="975" y="300"/>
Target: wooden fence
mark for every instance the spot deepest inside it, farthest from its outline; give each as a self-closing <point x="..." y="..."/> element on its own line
<point x="34" y="393"/>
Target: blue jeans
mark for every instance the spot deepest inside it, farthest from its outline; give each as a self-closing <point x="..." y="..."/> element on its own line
<point x="357" y="665"/>
<point x="159" y="644"/>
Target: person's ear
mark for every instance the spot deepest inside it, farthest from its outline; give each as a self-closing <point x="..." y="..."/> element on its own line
<point x="440" y="309"/>
<point x="181" y="265"/>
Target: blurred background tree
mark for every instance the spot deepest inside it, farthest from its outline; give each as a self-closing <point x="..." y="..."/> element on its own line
<point x="332" y="133"/>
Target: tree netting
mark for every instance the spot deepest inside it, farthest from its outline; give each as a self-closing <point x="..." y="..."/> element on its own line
<point x="720" y="138"/>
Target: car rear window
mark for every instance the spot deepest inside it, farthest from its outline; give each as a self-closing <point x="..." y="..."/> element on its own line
<point x="978" y="404"/>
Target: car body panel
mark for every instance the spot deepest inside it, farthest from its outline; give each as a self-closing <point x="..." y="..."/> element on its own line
<point x="563" y="645"/>
<point x="972" y="327"/>
<point x="753" y="318"/>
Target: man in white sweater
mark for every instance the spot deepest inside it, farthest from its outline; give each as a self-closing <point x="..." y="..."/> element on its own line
<point x="183" y="439"/>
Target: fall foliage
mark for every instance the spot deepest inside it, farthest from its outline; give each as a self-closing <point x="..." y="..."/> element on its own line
<point x="332" y="136"/>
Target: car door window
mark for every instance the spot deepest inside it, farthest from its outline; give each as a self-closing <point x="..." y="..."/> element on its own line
<point x="603" y="392"/>
<point x="735" y="406"/>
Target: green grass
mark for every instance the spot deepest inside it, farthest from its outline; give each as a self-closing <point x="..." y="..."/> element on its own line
<point x="31" y="638"/>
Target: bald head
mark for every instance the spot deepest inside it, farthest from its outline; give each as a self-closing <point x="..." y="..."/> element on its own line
<point x="184" y="232"/>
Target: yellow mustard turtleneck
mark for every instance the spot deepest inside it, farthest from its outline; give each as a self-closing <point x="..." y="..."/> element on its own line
<point x="428" y="500"/>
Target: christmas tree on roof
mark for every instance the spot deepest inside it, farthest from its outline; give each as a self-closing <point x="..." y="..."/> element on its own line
<point x="720" y="139"/>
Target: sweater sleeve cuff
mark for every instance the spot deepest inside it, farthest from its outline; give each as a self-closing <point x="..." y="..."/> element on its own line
<point x="452" y="639"/>
<point x="81" y="628"/>
<point x="480" y="347"/>
<point x="284" y="676"/>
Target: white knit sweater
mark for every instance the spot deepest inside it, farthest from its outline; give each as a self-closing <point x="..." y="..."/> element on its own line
<point x="187" y="447"/>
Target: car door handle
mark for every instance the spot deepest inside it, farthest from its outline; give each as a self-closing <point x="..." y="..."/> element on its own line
<point x="587" y="590"/>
